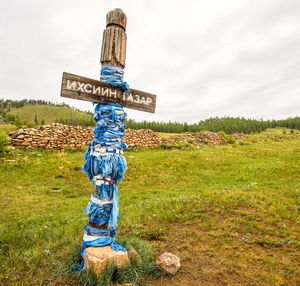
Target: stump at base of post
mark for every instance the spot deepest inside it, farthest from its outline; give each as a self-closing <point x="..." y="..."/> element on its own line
<point x="99" y="258"/>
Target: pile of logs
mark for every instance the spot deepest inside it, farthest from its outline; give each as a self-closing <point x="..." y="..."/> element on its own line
<point x="201" y="138"/>
<point x="212" y="138"/>
<point x="143" y="138"/>
<point x="239" y="136"/>
<point x="58" y="136"/>
<point x="54" y="136"/>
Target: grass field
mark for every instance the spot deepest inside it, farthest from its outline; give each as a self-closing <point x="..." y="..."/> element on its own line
<point x="48" y="113"/>
<point x="231" y="213"/>
<point x="6" y="128"/>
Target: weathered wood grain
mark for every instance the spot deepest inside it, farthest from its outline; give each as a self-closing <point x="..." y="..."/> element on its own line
<point x="113" y="50"/>
<point x="116" y="17"/>
<point x="82" y="88"/>
<point x="123" y="44"/>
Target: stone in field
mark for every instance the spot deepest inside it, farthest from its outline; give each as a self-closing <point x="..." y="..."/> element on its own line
<point x="133" y="255"/>
<point x="168" y="262"/>
<point x="98" y="258"/>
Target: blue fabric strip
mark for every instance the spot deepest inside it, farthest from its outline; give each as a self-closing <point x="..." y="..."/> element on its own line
<point x="114" y="76"/>
<point x="115" y="209"/>
<point x="104" y="157"/>
<point x="112" y="165"/>
<point x="102" y="241"/>
<point x="95" y="211"/>
<point x="95" y="231"/>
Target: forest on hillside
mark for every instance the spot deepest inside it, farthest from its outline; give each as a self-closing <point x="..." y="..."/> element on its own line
<point x="39" y="112"/>
<point x="8" y="103"/>
<point x="227" y="124"/>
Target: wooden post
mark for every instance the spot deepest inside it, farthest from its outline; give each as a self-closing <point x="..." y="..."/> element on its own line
<point x="113" y="53"/>
<point x="73" y="86"/>
<point x="114" y="39"/>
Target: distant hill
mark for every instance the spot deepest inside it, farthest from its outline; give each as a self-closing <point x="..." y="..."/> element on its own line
<point x="36" y="112"/>
<point x="50" y="114"/>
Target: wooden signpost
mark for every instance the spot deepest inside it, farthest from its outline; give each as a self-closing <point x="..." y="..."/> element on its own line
<point x="78" y="87"/>
<point x="113" y="53"/>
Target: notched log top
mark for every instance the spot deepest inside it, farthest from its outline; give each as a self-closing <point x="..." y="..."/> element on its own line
<point x="116" y="17"/>
<point x="113" y="50"/>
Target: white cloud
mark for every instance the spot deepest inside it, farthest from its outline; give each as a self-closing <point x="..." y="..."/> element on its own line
<point x="202" y="58"/>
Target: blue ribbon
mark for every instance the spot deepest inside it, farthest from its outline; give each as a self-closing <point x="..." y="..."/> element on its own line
<point x="110" y="210"/>
<point x="95" y="211"/>
<point x="95" y="231"/>
<point x="98" y="242"/>
<point x="104" y="157"/>
<point x="114" y="76"/>
<point x="112" y="165"/>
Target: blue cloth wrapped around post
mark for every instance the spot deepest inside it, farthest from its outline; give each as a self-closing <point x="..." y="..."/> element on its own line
<point x="114" y="76"/>
<point x="105" y="165"/>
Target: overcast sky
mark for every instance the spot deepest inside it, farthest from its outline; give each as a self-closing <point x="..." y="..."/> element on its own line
<point x="202" y="58"/>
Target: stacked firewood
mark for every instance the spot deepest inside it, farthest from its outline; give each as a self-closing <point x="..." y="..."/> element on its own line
<point x="54" y="136"/>
<point x="212" y="138"/>
<point x="58" y="136"/>
<point x="239" y="136"/>
<point x="200" y="138"/>
<point x="143" y="138"/>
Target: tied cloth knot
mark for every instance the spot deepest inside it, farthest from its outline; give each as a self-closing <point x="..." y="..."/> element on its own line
<point x="114" y="76"/>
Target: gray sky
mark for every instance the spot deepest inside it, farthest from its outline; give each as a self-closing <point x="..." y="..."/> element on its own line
<point x="202" y="58"/>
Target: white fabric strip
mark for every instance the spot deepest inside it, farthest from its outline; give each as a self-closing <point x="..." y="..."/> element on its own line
<point x="100" y="177"/>
<point x="91" y="237"/>
<point x="99" y="202"/>
<point x="101" y="182"/>
<point x="119" y="112"/>
<point x="102" y="152"/>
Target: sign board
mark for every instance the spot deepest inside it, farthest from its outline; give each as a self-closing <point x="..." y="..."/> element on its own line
<point x="78" y="87"/>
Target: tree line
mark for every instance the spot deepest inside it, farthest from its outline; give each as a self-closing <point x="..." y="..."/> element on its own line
<point x="6" y="117"/>
<point x="77" y="121"/>
<point x="7" y="104"/>
<point x="229" y="125"/>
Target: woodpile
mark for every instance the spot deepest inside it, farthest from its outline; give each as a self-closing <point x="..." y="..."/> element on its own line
<point x="200" y="138"/>
<point x="239" y="136"/>
<point x="143" y="138"/>
<point x="58" y="136"/>
<point x="212" y="138"/>
<point x="55" y="136"/>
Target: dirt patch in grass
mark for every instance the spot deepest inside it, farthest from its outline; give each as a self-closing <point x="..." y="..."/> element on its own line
<point x="220" y="258"/>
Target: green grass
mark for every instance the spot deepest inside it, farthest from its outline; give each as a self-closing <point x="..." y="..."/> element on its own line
<point x="231" y="213"/>
<point x="6" y="128"/>
<point x="47" y="112"/>
<point x="168" y="135"/>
